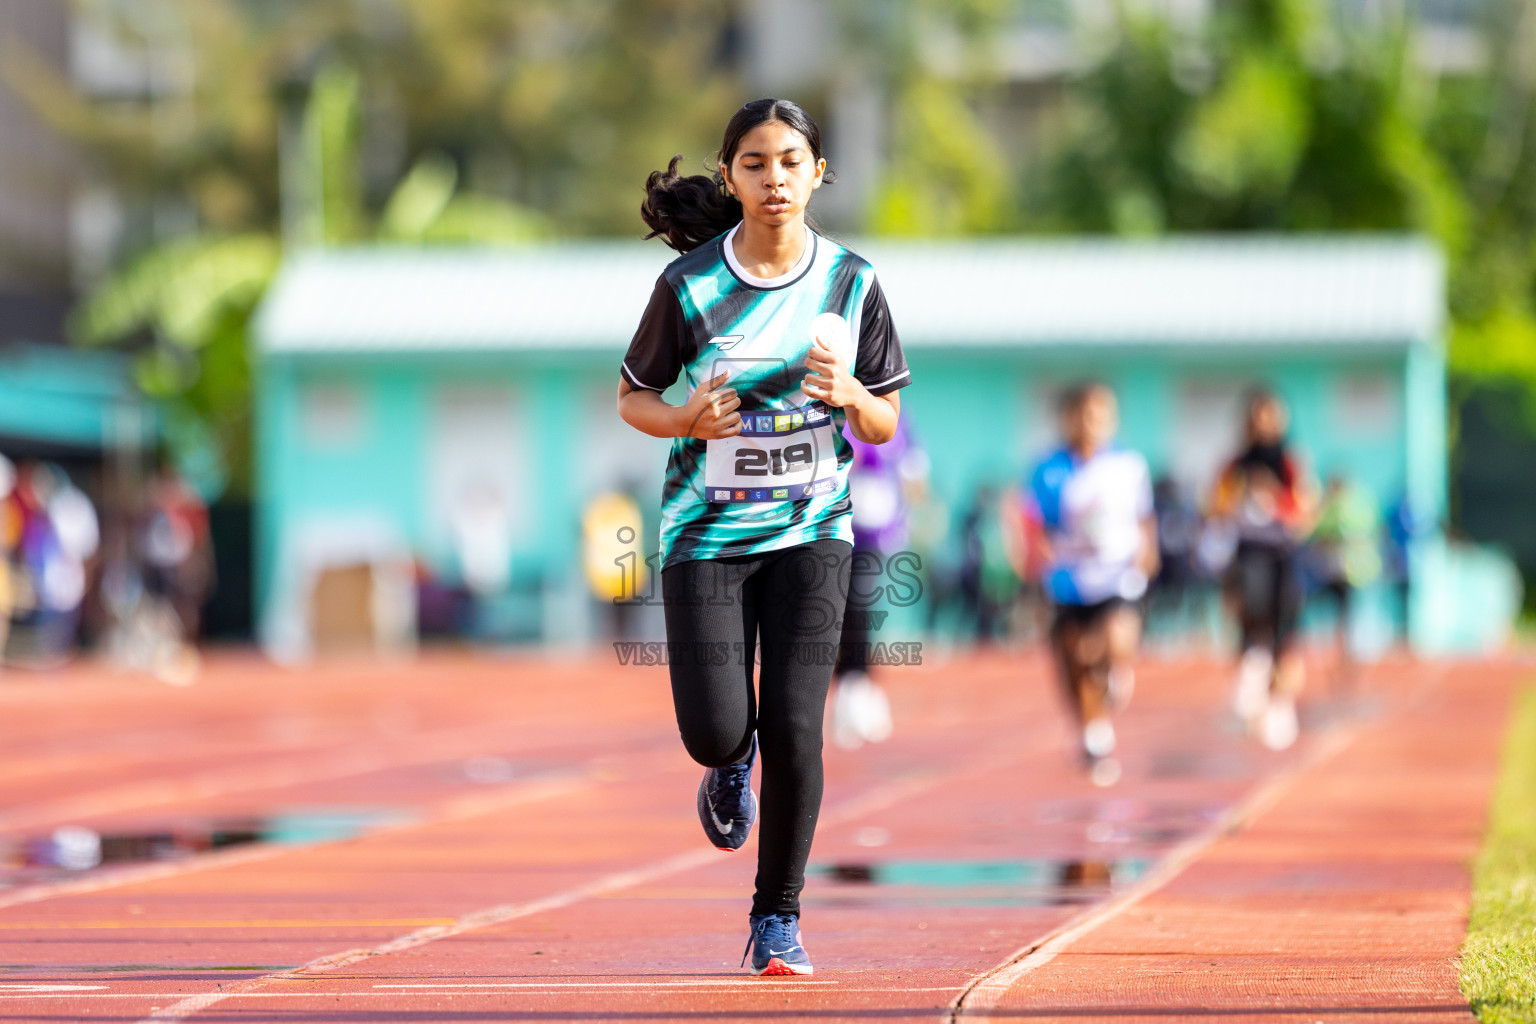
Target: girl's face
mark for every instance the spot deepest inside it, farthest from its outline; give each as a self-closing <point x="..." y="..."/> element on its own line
<point x="1266" y="422"/>
<point x="1093" y="423"/>
<point x="773" y="174"/>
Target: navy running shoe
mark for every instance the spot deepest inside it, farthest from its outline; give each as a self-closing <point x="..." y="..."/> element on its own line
<point x="774" y="946"/>
<point x="727" y="807"/>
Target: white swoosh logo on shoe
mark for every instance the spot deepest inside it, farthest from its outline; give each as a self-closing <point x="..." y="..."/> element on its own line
<point x="782" y="952"/>
<point x="724" y="826"/>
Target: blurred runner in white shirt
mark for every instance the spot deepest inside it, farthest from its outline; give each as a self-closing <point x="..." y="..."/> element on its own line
<point x="1090" y="517"/>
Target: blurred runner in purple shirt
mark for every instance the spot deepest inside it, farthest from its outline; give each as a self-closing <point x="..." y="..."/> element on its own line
<point x="880" y="480"/>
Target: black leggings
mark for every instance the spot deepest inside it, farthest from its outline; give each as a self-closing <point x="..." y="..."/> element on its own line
<point x="853" y="645"/>
<point x="716" y="611"/>
<point x="1267" y="585"/>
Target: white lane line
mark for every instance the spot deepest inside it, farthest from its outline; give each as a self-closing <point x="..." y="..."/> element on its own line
<point x="8" y="987"/>
<point x="435" y="985"/>
<point x="875" y="799"/>
<point x="747" y="986"/>
<point x="986" y="991"/>
<point x="485" y="918"/>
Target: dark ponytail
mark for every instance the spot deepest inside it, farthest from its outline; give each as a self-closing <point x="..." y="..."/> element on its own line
<point x="687" y="211"/>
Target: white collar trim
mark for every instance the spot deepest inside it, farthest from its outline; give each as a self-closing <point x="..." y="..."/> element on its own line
<point x="769" y="282"/>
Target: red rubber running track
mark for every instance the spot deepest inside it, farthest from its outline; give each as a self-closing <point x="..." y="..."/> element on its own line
<point x="529" y="851"/>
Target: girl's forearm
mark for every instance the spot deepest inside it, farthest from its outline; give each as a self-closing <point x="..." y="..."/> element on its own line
<point x="1149" y="557"/>
<point x="873" y="418"/>
<point x="649" y="413"/>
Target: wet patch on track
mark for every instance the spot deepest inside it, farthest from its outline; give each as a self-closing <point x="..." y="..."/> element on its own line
<point x="74" y="850"/>
<point x="1028" y="882"/>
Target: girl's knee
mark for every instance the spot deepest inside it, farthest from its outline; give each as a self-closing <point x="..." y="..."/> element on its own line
<point x="716" y="750"/>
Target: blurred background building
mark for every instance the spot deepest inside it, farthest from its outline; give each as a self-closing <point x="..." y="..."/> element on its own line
<point x="284" y="241"/>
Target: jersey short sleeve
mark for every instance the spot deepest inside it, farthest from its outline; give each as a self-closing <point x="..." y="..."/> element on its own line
<point x="655" y="355"/>
<point x="1145" y="507"/>
<point x="1045" y="486"/>
<point x="880" y="365"/>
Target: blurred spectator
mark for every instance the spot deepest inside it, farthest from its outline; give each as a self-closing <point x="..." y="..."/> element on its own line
<point x="444" y="609"/>
<point x="1345" y="555"/>
<point x="929" y="538"/>
<point x="987" y="581"/>
<point x="53" y="534"/>
<point x="1404" y="525"/>
<point x="612" y="531"/>
<point x="10" y="540"/>
<point x="178" y="556"/>
<point x="1179" y="527"/>
<point x="481" y="527"/>
<point x="156" y="582"/>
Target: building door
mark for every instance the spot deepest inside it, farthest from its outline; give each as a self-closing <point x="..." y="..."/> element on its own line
<point x="477" y="477"/>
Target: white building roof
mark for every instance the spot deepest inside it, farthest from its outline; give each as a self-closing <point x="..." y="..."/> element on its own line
<point x="1265" y="290"/>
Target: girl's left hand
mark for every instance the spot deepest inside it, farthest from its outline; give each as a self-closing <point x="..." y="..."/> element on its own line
<point x="829" y="380"/>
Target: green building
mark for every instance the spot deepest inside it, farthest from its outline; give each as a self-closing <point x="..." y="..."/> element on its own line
<point x="398" y="388"/>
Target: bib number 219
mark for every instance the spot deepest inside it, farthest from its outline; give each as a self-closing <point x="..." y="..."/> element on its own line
<point x="774" y="461"/>
<point x="767" y="465"/>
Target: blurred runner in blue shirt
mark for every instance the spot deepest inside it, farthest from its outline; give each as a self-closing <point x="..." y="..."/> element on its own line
<point x="1090" y="519"/>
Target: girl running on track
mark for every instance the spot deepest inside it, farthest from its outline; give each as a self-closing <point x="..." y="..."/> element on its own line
<point x="1268" y="500"/>
<point x="782" y="336"/>
<point x="1089" y="517"/>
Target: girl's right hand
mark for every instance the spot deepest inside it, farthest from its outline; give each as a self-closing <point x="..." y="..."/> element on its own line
<point x="711" y="414"/>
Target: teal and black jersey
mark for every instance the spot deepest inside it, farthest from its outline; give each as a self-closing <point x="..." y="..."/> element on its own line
<point x="784" y="480"/>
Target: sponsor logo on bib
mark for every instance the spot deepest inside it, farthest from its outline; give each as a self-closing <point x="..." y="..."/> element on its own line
<point x="777" y="456"/>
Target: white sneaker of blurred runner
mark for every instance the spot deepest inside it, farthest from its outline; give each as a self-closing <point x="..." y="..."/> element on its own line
<point x="1105" y="771"/>
<point x="1099" y="738"/>
<point x="875" y="720"/>
<point x="1250" y="693"/>
<point x="846" y="732"/>
<point x="1279" y="727"/>
<point x="860" y="712"/>
<point x="1122" y="683"/>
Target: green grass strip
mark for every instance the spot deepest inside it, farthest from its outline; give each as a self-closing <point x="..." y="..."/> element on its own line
<point x="1498" y="960"/>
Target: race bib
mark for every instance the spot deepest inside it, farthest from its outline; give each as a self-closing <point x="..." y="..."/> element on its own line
<point x="778" y="456"/>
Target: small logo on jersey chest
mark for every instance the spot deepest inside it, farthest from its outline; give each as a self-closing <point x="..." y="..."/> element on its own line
<point x="726" y="342"/>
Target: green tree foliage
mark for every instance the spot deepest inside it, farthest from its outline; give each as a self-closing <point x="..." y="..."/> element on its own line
<point x="1270" y="117"/>
<point x="305" y="122"/>
<point x="435" y="121"/>
<point x="1486" y="127"/>
<point x="1282" y="115"/>
<point x="947" y="174"/>
<point x="193" y="298"/>
<point x="551" y="104"/>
